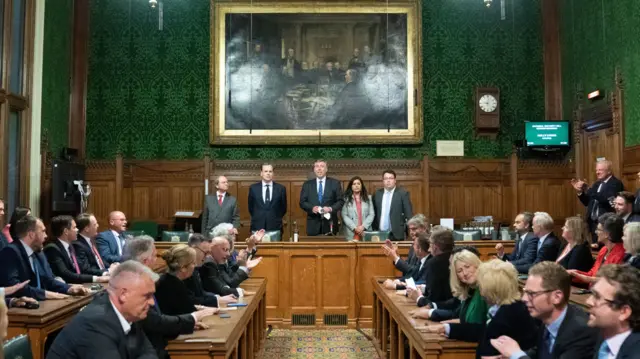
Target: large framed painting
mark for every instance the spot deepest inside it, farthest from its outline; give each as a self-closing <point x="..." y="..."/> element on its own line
<point x="310" y="72"/>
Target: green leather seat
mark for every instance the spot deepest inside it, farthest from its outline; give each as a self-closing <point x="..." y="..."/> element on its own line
<point x="18" y="347"/>
<point x="175" y="236"/>
<point x="272" y="236"/>
<point x="375" y="236"/>
<point x="132" y="233"/>
<point x="149" y="227"/>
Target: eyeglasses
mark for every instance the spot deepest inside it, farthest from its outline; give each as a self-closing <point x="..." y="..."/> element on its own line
<point x="598" y="300"/>
<point x="533" y="294"/>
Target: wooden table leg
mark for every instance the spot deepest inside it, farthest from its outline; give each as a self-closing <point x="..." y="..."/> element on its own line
<point x="385" y="331"/>
<point x="37" y="337"/>
<point x="374" y="320"/>
<point x="393" y="339"/>
<point x="250" y="340"/>
<point x="401" y="341"/>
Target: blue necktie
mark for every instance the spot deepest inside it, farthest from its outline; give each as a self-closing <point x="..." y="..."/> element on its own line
<point x="545" y="352"/>
<point x="36" y="270"/>
<point x="320" y="191"/>
<point x="603" y="353"/>
<point x="155" y="304"/>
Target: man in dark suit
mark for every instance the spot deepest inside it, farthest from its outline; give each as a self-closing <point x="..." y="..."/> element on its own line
<point x="109" y="326"/>
<point x="564" y="333"/>
<point x="436" y="275"/>
<point x="548" y="244"/>
<point x="321" y="198"/>
<point x="62" y="256"/>
<point x="623" y="204"/>
<point x="392" y="207"/>
<point x="85" y="245"/>
<point x="3" y="241"/>
<point x="220" y="208"/>
<point x="111" y="242"/>
<point x="526" y="248"/>
<point x="614" y="308"/>
<point x="417" y="225"/>
<point x="23" y="260"/>
<point x="598" y="197"/>
<point x="267" y="202"/>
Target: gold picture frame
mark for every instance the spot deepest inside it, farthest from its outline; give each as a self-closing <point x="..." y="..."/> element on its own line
<point x="272" y="97"/>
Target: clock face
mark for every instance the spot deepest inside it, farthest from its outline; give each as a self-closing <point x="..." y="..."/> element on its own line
<point x="488" y="103"/>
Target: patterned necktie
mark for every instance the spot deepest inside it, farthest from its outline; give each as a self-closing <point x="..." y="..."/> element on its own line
<point x="320" y="192"/>
<point x="220" y="200"/>
<point x="603" y="353"/>
<point x="97" y="255"/>
<point x="74" y="260"/>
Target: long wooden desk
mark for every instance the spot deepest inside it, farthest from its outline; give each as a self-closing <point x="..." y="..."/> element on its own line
<point x="241" y="336"/>
<point x="39" y="323"/>
<point x="326" y="284"/>
<point x="393" y="327"/>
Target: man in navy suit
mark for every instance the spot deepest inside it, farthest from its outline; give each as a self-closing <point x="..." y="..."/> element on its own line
<point x="111" y="242"/>
<point x="598" y="197"/>
<point x="23" y="260"/>
<point x="267" y="202"/>
<point x="614" y="308"/>
<point x="623" y="204"/>
<point x="321" y="197"/>
<point x="548" y="244"/>
<point x="564" y="333"/>
<point x="526" y="248"/>
<point x="85" y="245"/>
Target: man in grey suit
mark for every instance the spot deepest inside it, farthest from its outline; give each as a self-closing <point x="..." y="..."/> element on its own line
<point x="220" y="208"/>
<point x="392" y="206"/>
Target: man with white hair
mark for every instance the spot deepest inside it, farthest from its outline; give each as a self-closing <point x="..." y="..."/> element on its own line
<point x="599" y="196"/>
<point x="230" y="233"/>
<point x="220" y="207"/>
<point x="108" y="327"/>
<point x="548" y="244"/>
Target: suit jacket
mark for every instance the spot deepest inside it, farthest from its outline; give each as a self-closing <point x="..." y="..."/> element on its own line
<point x="107" y="245"/>
<point x="86" y="256"/>
<point x="213" y="214"/>
<point x="632" y="218"/>
<point x="592" y="198"/>
<point x="212" y="281"/>
<point x="160" y="328"/>
<point x="232" y="274"/>
<point x="636" y="203"/>
<point x="436" y="280"/>
<point x="407" y="266"/>
<point x="350" y="217"/>
<point x="3" y="241"/>
<point x="579" y="258"/>
<point x="63" y="267"/>
<point x="633" y="261"/>
<point x="332" y="197"/>
<point x="16" y="268"/>
<point x="96" y="332"/>
<point x="575" y="340"/>
<point x="629" y="348"/>
<point x="512" y="320"/>
<point x="448" y="309"/>
<point x="400" y="211"/>
<point x="549" y="251"/>
<point x="197" y="294"/>
<point x="524" y="252"/>
<point x="267" y="216"/>
<point x="172" y="296"/>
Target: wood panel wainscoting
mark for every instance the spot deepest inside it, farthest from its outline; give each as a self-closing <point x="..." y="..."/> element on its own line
<point x="321" y="284"/>
<point x="439" y="188"/>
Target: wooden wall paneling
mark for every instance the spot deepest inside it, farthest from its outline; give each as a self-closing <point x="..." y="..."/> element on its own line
<point x="274" y="269"/>
<point x="631" y="168"/>
<point x="296" y="214"/>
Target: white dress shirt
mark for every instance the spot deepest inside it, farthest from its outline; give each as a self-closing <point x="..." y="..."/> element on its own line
<point x="387" y="197"/>
<point x="66" y="248"/>
<point x="29" y="254"/>
<point x="126" y="326"/>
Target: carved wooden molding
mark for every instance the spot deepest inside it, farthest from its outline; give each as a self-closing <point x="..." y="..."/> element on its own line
<point x="616" y="104"/>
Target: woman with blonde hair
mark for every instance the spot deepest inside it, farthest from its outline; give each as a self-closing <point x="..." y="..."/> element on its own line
<point x="507" y="314"/>
<point x="172" y="294"/>
<point x="467" y="304"/>
<point x="631" y="241"/>
<point x="576" y="253"/>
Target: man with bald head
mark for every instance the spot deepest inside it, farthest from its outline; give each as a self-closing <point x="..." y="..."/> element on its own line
<point x="108" y="327"/>
<point x="111" y="242"/>
<point x="220" y="207"/>
<point x="599" y="196"/>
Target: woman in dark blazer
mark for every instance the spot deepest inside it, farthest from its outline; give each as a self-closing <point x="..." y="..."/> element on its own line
<point x="172" y="294"/>
<point x="507" y="314"/>
<point x="576" y="253"/>
<point x="467" y="305"/>
<point x="631" y="241"/>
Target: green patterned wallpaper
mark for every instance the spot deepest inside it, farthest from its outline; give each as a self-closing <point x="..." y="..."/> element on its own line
<point x="148" y="89"/>
<point x="56" y="77"/>
<point x="597" y="36"/>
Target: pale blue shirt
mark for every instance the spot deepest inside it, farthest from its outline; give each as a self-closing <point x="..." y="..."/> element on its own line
<point x="553" y="329"/>
<point x="541" y="241"/>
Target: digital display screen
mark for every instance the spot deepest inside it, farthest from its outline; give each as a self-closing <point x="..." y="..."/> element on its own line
<point x="549" y="133"/>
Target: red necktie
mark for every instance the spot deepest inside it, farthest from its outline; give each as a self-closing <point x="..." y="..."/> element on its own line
<point x="72" y="252"/>
<point x="97" y="255"/>
<point x="220" y="199"/>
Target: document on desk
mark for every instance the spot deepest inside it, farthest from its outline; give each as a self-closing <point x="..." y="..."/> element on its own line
<point x="410" y="283"/>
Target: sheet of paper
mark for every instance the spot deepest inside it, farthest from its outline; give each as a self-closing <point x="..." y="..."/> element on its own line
<point x="447" y="222"/>
<point x="183" y="214"/>
<point x="410" y="283"/>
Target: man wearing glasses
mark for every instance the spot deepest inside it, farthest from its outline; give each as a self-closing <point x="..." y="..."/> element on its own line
<point x="614" y="308"/>
<point x="565" y="333"/>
